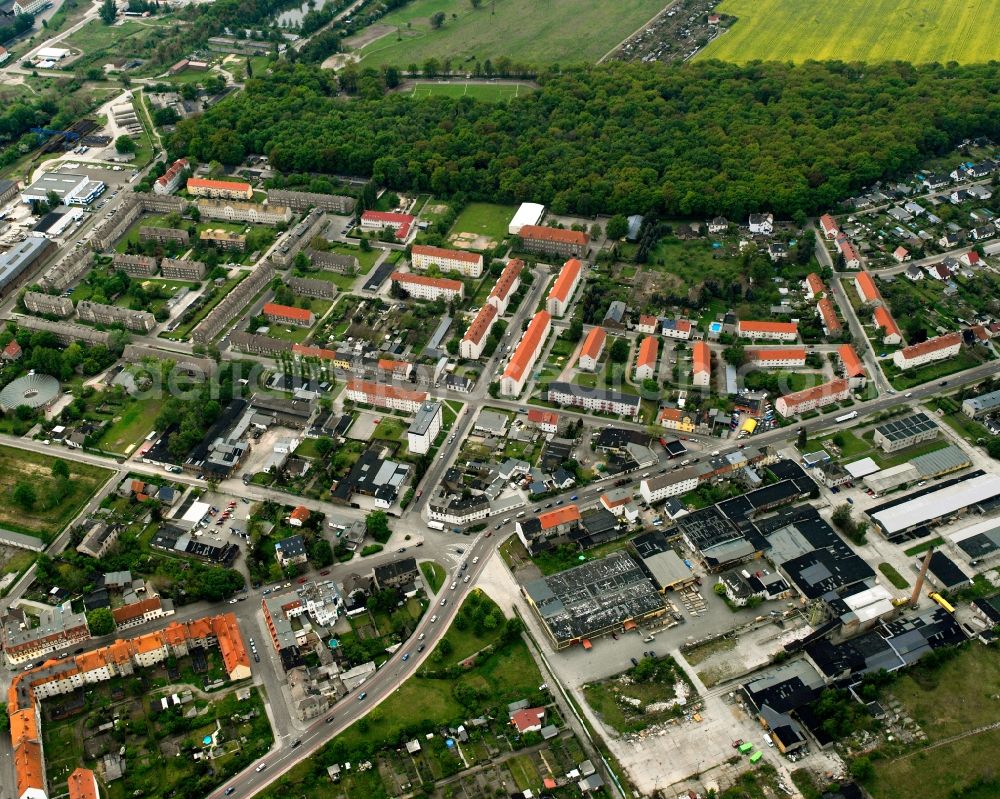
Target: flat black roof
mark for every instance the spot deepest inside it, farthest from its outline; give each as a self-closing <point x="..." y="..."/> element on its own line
<point x="946" y="572"/>
<point x="377" y="278"/>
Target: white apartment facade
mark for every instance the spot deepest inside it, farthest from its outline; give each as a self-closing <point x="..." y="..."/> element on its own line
<point x="465" y="263"/>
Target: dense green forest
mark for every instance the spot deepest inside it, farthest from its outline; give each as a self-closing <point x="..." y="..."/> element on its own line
<point x="699" y="139"/>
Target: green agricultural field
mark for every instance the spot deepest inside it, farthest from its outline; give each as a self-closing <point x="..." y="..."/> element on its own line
<point x="487" y="92"/>
<point x="920" y="31"/>
<point x="47" y="514"/>
<point x="557" y="31"/>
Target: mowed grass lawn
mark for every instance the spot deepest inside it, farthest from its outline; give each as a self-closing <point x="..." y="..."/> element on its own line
<point x="556" y="31"/>
<point x="45" y="519"/>
<point x="487" y="92"/>
<point x="919" y="31"/>
<point x="484" y="219"/>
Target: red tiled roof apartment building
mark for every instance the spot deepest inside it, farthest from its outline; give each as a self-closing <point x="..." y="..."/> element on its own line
<point x="288" y="315"/>
<point x="934" y="349"/>
<point x="811" y="398"/>
<point x="701" y="364"/>
<point x="506" y="285"/>
<point x="851" y="258"/>
<point x="469" y="264"/>
<point x="784" y="358"/>
<point x="866" y="288"/>
<point x="524" y="357"/>
<point x="168" y="182"/>
<point x="385" y="396"/>
<point x="592" y="348"/>
<point x="57" y="677"/>
<point x="554" y="241"/>
<point x="429" y="288"/>
<point x="829" y="227"/>
<point x="813" y="285"/>
<point x="779" y="331"/>
<point x="645" y="362"/>
<point x="380" y="220"/>
<point x="828" y="315"/>
<point x="883" y="321"/>
<point x="225" y="189"/>
<point x="854" y="370"/>
<point x="82" y="784"/>
<point x="562" y="290"/>
<point x="471" y="346"/>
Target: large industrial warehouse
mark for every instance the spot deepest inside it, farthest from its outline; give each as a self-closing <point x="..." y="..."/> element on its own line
<point x="594" y="599"/>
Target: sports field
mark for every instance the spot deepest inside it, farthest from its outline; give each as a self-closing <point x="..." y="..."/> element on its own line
<point x="919" y="31"/>
<point x="487" y="92"/>
<point x="526" y="31"/>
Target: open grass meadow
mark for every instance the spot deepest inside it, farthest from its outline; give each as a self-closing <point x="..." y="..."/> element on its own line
<point x="919" y="31"/>
<point x="484" y="219"/>
<point x="954" y="700"/>
<point x="487" y="92"/>
<point x="557" y="31"/>
<point x="48" y="515"/>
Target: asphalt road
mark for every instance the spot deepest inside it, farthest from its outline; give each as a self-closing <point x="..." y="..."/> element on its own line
<point x="378" y="688"/>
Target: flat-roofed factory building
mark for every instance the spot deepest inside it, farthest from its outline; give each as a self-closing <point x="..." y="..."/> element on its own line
<point x="594" y="599"/>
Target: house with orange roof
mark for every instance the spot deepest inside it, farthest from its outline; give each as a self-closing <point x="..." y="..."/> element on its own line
<point x="812" y="398"/>
<point x="299" y="516"/>
<point x="554" y="241"/>
<point x="676" y="419"/>
<point x="901" y="254"/>
<point x="82" y="784"/>
<point x="12" y="351"/>
<point x="813" y="285"/>
<point x="778" y="331"/>
<point x="701" y="364"/>
<point x="883" y="321"/>
<point x="230" y="640"/>
<point x="562" y="289"/>
<point x="852" y="260"/>
<point x="828" y="315"/>
<point x="647" y="324"/>
<point x="528" y="719"/>
<point x="645" y="362"/>
<point x="390" y="369"/>
<point x="288" y="315"/>
<point x="547" y="530"/>
<point x="546" y="421"/>
<point x="829" y="227"/>
<point x="593" y="347"/>
<point x="934" y="349"/>
<point x="474" y="341"/>
<point x="778" y="357"/>
<point x="864" y="284"/>
<point x="518" y="369"/>
<point x="506" y="285"/>
<point x="851" y="365"/>
<point x="223" y="189"/>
